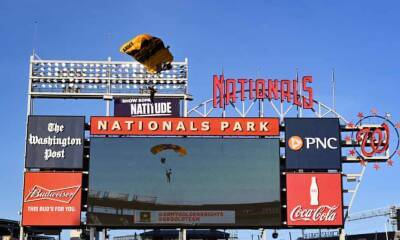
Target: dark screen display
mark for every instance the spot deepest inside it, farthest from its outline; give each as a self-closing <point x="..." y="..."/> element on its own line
<point x="147" y="182"/>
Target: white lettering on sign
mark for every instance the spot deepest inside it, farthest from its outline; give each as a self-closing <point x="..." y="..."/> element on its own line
<point x="50" y="153"/>
<point x="55" y="127"/>
<point x="321" y="143"/>
<point x="215" y="126"/>
<point x="151" y="109"/>
<point x="323" y="213"/>
<point x="54" y="141"/>
<point x="64" y="195"/>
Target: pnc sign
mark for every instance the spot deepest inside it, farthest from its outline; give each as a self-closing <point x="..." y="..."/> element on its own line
<point x="296" y="143"/>
<point x="314" y="199"/>
<point x="312" y="143"/>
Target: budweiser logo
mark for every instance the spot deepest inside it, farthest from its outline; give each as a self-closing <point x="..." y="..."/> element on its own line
<point x="64" y="195"/>
<point x="323" y="213"/>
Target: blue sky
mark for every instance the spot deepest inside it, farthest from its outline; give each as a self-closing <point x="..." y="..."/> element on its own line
<point x="360" y="39"/>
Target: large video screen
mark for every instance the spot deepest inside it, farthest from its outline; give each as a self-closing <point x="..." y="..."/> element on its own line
<point x="174" y="181"/>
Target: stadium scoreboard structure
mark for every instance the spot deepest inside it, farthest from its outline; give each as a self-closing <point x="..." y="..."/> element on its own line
<point x="154" y="164"/>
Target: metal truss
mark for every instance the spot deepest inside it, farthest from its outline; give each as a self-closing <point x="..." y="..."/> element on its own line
<point x="390" y="212"/>
<point x="282" y="110"/>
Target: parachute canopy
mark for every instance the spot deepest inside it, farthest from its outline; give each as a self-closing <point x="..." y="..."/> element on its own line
<point x="161" y="147"/>
<point x="149" y="51"/>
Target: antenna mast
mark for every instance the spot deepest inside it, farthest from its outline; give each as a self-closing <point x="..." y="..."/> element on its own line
<point x="333" y="89"/>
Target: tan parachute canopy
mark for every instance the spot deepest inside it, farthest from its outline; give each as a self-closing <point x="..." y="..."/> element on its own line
<point x="149" y="51"/>
<point x="161" y="147"/>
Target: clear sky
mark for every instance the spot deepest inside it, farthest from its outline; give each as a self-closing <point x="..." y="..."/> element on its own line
<point x="360" y="39"/>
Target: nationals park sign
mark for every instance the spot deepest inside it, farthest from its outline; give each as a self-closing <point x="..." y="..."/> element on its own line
<point x="187" y="126"/>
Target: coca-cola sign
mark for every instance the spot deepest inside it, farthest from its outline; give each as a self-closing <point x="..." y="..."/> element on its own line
<point x="322" y="213"/>
<point x="314" y="199"/>
<point x="52" y="199"/>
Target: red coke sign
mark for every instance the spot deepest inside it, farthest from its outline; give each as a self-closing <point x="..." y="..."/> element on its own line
<point x="314" y="199"/>
<point x="52" y="199"/>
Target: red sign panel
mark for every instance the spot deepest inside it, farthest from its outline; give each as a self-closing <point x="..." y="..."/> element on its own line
<point x="226" y="91"/>
<point x="184" y="126"/>
<point x="52" y="199"/>
<point x="314" y="199"/>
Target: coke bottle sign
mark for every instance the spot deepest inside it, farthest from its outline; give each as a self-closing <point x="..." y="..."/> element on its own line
<point x="314" y="199"/>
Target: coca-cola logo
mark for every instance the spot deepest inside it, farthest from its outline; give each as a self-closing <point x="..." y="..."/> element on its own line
<point x="64" y="195"/>
<point x="323" y="213"/>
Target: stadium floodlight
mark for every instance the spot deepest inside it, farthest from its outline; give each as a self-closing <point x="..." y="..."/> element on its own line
<point x="125" y="75"/>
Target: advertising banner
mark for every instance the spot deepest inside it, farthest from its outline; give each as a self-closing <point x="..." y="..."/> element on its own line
<point x="187" y="126"/>
<point x="142" y="107"/>
<point x="165" y="181"/>
<point x="184" y="217"/>
<point x="55" y="142"/>
<point x="312" y="143"/>
<point x="314" y="199"/>
<point x="52" y="199"/>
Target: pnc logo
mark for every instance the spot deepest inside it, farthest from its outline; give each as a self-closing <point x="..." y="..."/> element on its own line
<point x="296" y="143"/>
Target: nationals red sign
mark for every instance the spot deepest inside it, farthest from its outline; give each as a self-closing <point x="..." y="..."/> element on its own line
<point x="226" y="91"/>
<point x="184" y="126"/>
<point x="374" y="140"/>
<point x="52" y="199"/>
<point x="314" y="199"/>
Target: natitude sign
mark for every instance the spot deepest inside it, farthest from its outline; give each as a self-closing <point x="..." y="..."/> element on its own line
<point x="52" y="199"/>
<point x="140" y="107"/>
<point x="314" y="199"/>
<point x="184" y="126"/>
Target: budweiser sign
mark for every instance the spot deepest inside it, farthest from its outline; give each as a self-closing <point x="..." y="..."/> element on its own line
<point x="52" y="199"/>
<point x="64" y="195"/>
<point x="314" y="199"/>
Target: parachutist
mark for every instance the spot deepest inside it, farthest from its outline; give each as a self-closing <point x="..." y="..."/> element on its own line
<point x="163" y="160"/>
<point x="168" y="173"/>
<point x="167" y="66"/>
<point x="152" y="93"/>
